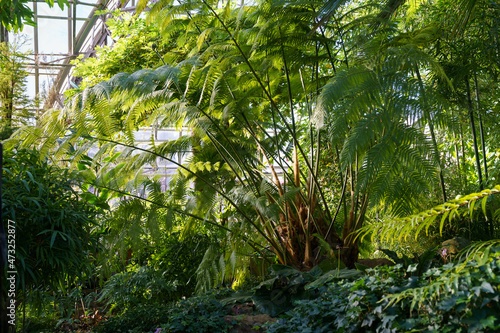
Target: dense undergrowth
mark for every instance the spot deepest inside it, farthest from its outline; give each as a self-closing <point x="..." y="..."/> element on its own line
<point x="454" y="297"/>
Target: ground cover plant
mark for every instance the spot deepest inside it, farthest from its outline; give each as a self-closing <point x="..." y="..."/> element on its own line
<point x="456" y="297"/>
<point x="453" y="298"/>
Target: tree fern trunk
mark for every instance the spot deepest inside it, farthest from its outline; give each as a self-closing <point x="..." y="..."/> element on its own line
<point x="4" y="37"/>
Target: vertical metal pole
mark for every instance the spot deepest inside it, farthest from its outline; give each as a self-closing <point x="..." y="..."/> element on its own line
<point x="75" y="3"/>
<point x="70" y="28"/>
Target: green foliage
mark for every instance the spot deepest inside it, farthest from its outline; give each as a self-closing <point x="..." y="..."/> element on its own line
<point x="53" y="225"/>
<point x="14" y="14"/>
<point x="195" y="314"/>
<point x="278" y="294"/>
<point x="288" y="285"/>
<point x="132" y="50"/>
<point x="421" y="263"/>
<point x="180" y="257"/>
<point x="170" y="274"/>
<point x="258" y="87"/>
<point x="401" y="228"/>
<point x="144" y="285"/>
<point x="14" y="103"/>
<point x="140" y="318"/>
<point x="455" y="298"/>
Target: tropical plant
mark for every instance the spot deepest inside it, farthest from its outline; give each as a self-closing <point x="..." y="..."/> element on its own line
<point x="14" y="14"/>
<point x="400" y="229"/>
<point x="449" y="299"/>
<point x="54" y="239"/>
<point x="288" y="285"/>
<point x="14" y="103"/>
<point x="135" y="286"/>
<point x="246" y="90"/>
<point x="202" y="313"/>
<point x="135" y="46"/>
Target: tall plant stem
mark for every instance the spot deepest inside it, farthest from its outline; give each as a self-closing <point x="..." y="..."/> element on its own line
<point x="483" y="143"/>
<point x="481" y="130"/>
<point x="340" y="204"/>
<point x="462" y="145"/>
<point x="344" y="204"/>
<point x="433" y="135"/>
<point x="474" y="136"/>
<point x="457" y="156"/>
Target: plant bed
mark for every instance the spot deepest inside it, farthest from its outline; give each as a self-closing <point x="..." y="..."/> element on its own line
<point x="461" y="297"/>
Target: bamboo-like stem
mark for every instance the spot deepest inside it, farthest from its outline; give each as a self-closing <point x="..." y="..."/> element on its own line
<point x="474" y="136"/>
<point x="481" y="129"/>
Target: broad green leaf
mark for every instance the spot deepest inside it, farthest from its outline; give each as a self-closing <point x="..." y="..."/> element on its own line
<point x="443" y="219"/>
<point x="483" y="206"/>
<point x="471" y="209"/>
<point x="332" y="275"/>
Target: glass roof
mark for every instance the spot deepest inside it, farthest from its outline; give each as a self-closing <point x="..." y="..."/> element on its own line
<point x="59" y="36"/>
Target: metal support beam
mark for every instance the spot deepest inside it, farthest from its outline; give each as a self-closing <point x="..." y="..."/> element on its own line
<point x="80" y="41"/>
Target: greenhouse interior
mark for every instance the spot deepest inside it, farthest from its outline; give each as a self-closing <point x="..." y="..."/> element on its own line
<point x="249" y="166"/>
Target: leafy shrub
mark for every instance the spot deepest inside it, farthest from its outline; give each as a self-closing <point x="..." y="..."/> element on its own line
<point x="136" y="286"/>
<point x="454" y="298"/>
<point x="140" y="318"/>
<point x="179" y="259"/>
<point x="196" y="314"/>
<point x="53" y="224"/>
<point x="277" y="295"/>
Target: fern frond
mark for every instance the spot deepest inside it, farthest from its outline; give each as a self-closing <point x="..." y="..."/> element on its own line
<point x="401" y="228"/>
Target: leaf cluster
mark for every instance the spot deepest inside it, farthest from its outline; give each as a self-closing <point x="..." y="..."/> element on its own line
<point x="455" y="298"/>
<point x="14" y="14"/>
<point x="201" y="313"/>
<point x="54" y="237"/>
<point x="137" y="285"/>
<point x="401" y="228"/>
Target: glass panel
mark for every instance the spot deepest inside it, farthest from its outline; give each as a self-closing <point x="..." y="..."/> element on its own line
<point x="30" y="84"/>
<point x="79" y="25"/>
<point x="24" y="41"/>
<point x="83" y="11"/>
<point x="52" y="36"/>
<point x="166" y="135"/>
<point x="46" y="83"/>
<point x="44" y="9"/>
